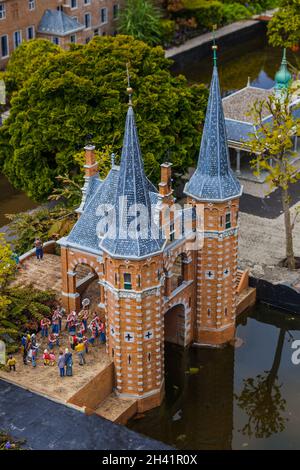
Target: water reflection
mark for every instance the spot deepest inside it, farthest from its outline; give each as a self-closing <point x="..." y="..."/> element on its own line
<point x="12" y="201"/>
<point x="232" y="398"/>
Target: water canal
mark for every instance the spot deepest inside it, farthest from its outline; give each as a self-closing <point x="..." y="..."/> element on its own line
<point x="245" y="397"/>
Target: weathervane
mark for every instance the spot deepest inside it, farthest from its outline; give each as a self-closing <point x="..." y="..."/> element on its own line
<point x="214" y="46"/>
<point x="129" y="89"/>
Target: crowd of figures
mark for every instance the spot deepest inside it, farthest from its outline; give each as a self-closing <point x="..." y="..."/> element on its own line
<point x="83" y="329"/>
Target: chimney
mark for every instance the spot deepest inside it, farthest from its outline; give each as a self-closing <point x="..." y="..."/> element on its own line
<point x="165" y="185"/>
<point x="91" y="166"/>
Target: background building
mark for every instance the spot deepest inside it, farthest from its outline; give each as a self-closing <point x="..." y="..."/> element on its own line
<point x="60" y="21"/>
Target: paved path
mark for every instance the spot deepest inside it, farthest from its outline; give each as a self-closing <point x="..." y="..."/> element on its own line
<point x="207" y="37"/>
<point x="47" y="425"/>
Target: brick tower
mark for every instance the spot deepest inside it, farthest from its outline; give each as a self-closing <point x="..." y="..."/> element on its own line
<point x="133" y="266"/>
<point x="216" y="189"/>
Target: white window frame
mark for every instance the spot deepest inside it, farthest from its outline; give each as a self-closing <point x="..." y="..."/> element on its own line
<point x="7" y="42"/>
<point x="86" y="2"/>
<point x="54" y="42"/>
<point x="33" y="31"/>
<point x="75" y="39"/>
<point x="31" y="5"/>
<point x="74" y="8"/>
<point x="19" y="31"/>
<point x="3" y="11"/>
<point x="106" y="10"/>
<point x="90" y="15"/>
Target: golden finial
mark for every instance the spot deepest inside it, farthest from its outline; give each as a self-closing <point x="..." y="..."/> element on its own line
<point x="129" y="89"/>
<point x="214" y="46"/>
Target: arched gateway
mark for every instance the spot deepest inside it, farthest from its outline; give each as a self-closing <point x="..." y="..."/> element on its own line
<point x="152" y="285"/>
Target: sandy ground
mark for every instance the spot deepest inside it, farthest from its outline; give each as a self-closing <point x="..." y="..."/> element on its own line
<point x="46" y="380"/>
<point x="262" y="246"/>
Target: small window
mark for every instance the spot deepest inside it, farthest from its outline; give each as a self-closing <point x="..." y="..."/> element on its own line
<point x="73" y="3"/>
<point x="208" y="312"/>
<point x="31" y="5"/>
<point x="172" y="232"/>
<point x="2" y="11"/>
<point x="4" y="46"/>
<point x="87" y="2"/>
<point x="190" y="302"/>
<point x="96" y="32"/>
<point x="149" y="356"/>
<point x="112" y="352"/>
<point x="87" y="20"/>
<point x="228" y="220"/>
<point x="225" y="311"/>
<point x="30" y="32"/>
<point x="103" y="15"/>
<point x="115" y="11"/>
<point x="221" y="221"/>
<point x="116" y="279"/>
<point x="55" y="40"/>
<point x="73" y="38"/>
<point x="138" y="280"/>
<point x="127" y="281"/>
<point x="17" y="38"/>
<point x="129" y="359"/>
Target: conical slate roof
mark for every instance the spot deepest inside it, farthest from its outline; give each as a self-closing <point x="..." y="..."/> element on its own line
<point x="131" y="235"/>
<point x="213" y="179"/>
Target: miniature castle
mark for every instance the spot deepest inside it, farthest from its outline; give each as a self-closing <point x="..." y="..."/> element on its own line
<point x="158" y="288"/>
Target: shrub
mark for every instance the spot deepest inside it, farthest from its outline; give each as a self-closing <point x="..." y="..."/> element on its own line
<point x="168" y="29"/>
<point x="207" y="13"/>
<point x="235" y="12"/>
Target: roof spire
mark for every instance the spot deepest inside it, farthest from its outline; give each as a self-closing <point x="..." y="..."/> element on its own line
<point x="129" y="89"/>
<point x="213" y="179"/>
<point x="283" y="75"/>
<point x="214" y="46"/>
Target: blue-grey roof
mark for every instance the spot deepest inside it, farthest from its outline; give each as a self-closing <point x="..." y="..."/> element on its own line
<point x="238" y="131"/>
<point x="85" y="232"/>
<point x="213" y="179"/>
<point x="132" y="236"/>
<point x="58" y="23"/>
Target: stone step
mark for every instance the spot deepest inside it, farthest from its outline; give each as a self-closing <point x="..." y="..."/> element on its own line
<point x="116" y="409"/>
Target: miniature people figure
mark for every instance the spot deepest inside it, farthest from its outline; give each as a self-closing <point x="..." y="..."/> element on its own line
<point x="61" y="312"/>
<point x="45" y="323"/>
<point x="80" y="352"/>
<point x="95" y="322"/>
<point x="39" y="249"/>
<point x="53" y="340"/>
<point x="33" y="340"/>
<point x="102" y="332"/>
<point x="11" y="363"/>
<point x="51" y="358"/>
<point x="85" y="317"/>
<point x="73" y="340"/>
<point x="46" y="357"/>
<point x="68" y="363"/>
<point x="61" y="363"/>
<point x="71" y="322"/>
<point x="24" y="344"/>
<point x="55" y="321"/>
<point x="86" y="344"/>
<point x="33" y="355"/>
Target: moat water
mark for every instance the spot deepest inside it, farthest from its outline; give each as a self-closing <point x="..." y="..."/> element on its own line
<point x="245" y="397"/>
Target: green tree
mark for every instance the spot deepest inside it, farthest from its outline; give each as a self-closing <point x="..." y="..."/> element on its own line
<point x="284" y="27"/>
<point x="141" y="20"/>
<point x="7" y="271"/>
<point x="272" y="145"/>
<point x="83" y="91"/>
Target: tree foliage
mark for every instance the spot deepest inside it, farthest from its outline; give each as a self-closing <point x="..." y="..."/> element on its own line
<point x="284" y="27"/>
<point x="83" y="91"/>
<point x="272" y="145"/>
<point x="141" y="20"/>
<point x="7" y="270"/>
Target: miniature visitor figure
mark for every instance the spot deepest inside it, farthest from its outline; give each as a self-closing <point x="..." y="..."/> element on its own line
<point x="24" y="343"/>
<point x="11" y="363"/>
<point x="80" y="349"/>
<point x="71" y="322"/>
<point x="73" y="340"/>
<point x="33" y="355"/>
<point x="33" y="340"/>
<point x="61" y="312"/>
<point x="39" y="249"/>
<point x="68" y="363"/>
<point x="86" y="344"/>
<point x="102" y="332"/>
<point x="55" y="321"/>
<point x="52" y="358"/>
<point x="46" y="357"/>
<point x="45" y="324"/>
<point x="61" y="364"/>
<point x="53" y="340"/>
